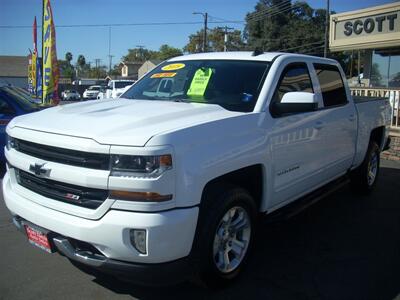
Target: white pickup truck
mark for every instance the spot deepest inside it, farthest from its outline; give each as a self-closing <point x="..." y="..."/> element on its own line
<point x="167" y="182"/>
<point x="115" y="88"/>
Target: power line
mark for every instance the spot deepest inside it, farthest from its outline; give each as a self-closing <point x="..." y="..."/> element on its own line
<point x="304" y="45"/>
<point x="273" y="10"/>
<point x="122" y="24"/>
<point x="296" y="5"/>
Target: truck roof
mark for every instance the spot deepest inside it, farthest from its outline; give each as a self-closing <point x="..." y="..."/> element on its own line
<point x="240" y="55"/>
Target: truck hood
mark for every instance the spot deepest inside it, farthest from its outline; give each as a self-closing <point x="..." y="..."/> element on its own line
<point x="122" y="121"/>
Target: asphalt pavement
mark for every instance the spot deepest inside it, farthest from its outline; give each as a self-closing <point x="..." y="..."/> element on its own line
<point x="344" y="247"/>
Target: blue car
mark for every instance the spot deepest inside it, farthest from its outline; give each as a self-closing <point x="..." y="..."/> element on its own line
<point x="14" y="102"/>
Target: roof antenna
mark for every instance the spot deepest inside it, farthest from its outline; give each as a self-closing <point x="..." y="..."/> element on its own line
<point x="257" y="51"/>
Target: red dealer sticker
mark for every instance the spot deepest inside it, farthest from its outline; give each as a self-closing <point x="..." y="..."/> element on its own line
<point x="38" y="238"/>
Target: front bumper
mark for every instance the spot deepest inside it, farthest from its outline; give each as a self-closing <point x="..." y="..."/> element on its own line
<point x="169" y="234"/>
<point x="144" y="274"/>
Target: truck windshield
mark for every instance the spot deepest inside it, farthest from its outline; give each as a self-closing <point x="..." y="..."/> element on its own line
<point x="232" y="84"/>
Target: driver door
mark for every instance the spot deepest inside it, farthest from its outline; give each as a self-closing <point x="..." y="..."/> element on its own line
<point x="296" y="148"/>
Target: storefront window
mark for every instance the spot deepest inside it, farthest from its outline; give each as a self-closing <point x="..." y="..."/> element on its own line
<point x="379" y="70"/>
<point x="385" y="68"/>
<point x="394" y="71"/>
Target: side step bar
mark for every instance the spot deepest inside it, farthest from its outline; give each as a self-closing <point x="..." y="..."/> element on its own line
<point x="299" y="205"/>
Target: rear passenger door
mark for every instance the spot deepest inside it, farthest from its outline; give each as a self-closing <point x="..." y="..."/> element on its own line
<point x="339" y="125"/>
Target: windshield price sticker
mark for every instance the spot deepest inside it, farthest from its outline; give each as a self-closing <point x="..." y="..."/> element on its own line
<point x="163" y="75"/>
<point x="173" y="67"/>
<point x="200" y="82"/>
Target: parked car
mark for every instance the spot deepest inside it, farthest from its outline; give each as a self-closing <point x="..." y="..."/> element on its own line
<point x="69" y="95"/>
<point x="13" y="102"/>
<point x="169" y="180"/>
<point x="115" y="88"/>
<point x="91" y="92"/>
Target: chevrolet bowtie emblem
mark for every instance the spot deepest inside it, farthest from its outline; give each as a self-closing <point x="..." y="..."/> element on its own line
<point x="38" y="169"/>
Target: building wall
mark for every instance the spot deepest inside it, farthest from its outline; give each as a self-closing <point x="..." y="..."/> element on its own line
<point x="146" y="67"/>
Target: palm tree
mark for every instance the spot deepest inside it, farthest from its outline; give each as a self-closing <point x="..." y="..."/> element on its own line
<point x="68" y="57"/>
<point x="81" y="62"/>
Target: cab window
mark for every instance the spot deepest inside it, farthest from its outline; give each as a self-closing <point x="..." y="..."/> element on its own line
<point x="295" y="78"/>
<point x="331" y="83"/>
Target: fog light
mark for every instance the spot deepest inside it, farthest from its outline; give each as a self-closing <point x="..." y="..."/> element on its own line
<point x="139" y="240"/>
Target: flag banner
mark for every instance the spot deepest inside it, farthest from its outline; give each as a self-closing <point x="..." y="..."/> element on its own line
<point x="33" y="62"/>
<point x="30" y="74"/>
<point x="50" y="72"/>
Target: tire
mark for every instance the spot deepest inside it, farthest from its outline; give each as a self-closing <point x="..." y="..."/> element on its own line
<point x="225" y="234"/>
<point x="363" y="179"/>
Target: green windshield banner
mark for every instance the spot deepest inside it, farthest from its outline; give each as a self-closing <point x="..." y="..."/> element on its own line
<point x="199" y="83"/>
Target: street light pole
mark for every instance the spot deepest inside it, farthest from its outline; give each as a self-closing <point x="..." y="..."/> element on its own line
<point x="205" y="16"/>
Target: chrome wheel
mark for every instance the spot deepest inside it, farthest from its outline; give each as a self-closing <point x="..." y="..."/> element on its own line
<point x="231" y="239"/>
<point x="372" y="168"/>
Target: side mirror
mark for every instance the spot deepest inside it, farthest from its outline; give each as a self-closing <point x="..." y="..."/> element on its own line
<point x="295" y="102"/>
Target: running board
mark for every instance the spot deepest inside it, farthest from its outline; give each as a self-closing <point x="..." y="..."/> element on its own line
<point x="304" y="202"/>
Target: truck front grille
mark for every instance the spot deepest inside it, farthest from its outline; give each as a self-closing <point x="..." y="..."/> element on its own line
<point x="64" y="156"/>
<point x="72" y="194"/>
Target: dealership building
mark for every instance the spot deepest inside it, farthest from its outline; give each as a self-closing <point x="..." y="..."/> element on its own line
<point x="372" y="35"/>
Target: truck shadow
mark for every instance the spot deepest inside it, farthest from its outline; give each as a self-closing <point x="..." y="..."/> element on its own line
<point x="344" y="247"/>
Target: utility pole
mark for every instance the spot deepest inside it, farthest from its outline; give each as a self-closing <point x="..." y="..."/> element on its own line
<point x="226" y="37"/>
<point x="109" y="50"/>
<point x="326" y="29"/>
<point x="205" y="16"/>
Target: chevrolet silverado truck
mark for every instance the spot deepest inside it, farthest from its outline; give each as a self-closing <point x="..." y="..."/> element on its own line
<point x="167" y="182"/>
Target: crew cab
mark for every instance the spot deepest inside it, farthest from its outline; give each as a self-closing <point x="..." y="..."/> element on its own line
<point x="167" y="182"/>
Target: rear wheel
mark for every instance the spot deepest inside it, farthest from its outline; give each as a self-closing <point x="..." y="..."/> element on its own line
<point x="225" y="234"/>
<point x="364" y="178"/>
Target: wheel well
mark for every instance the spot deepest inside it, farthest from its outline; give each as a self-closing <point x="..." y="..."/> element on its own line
<point x="377" y="136"/>
<point x="249" y="178"/>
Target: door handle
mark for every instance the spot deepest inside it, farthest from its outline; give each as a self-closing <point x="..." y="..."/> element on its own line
<point x="319" y="125"/>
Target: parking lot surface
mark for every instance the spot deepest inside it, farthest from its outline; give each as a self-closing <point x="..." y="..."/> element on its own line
<point x="343" y="247"/>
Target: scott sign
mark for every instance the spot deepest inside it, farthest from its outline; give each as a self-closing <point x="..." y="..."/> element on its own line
<point x="370" y="25"/>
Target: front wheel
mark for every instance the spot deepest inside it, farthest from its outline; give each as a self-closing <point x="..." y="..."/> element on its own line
<point x="363" y="179"/>
<point x="226" y="233"/>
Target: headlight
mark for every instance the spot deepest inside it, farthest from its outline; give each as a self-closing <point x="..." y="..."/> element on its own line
<point x="10" y="142"/>
<point x="140" y="166"/>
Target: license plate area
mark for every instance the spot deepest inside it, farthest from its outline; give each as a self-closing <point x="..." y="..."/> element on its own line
<point x="39" y="237"/>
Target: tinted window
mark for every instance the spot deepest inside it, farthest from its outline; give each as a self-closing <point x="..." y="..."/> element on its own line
<point x="332" y="88"/>
<point x="295" y="78"/>
<point x="232" y="84"/>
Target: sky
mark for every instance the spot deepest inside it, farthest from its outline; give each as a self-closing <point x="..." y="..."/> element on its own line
<point x="93" y="42"/>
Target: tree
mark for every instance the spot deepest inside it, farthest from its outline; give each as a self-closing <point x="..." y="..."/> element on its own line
<point x="66" y="69"/>
<point x="167" y="52"/>
<point x="81" y="61"/>
<point x="68" y="57"/>
<point x="215" y="40"/>
<point x="139" y="55"/>
<point x="266" y="26"/>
